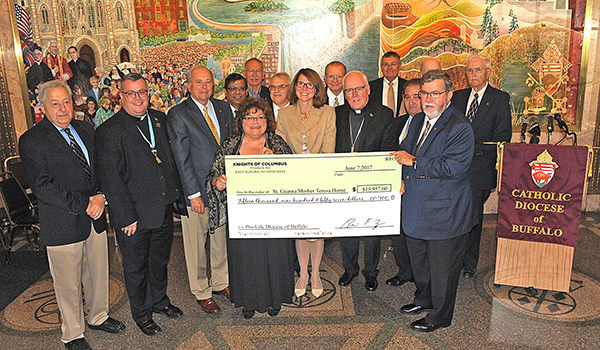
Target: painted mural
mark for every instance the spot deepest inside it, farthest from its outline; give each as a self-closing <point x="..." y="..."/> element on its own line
<point x="531" y="44"/>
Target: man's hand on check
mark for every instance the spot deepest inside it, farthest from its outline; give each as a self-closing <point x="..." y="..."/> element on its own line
<point x="403" y="157"/>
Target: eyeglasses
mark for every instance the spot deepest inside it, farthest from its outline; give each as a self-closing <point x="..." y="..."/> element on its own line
<point x="253" y="71"/>
<point x="301" y="84"/>
<point x="331" y="77"/>
<point x="357" y="90"/>
<point x="390" y="64"/>
<point x="278" y="87"/>
<point x="256" y="119"/>
<point x="131" y="94"/>
<point x="235" y="88"/>
<point x="476" y="70"/>
<point x="434" y="94"/>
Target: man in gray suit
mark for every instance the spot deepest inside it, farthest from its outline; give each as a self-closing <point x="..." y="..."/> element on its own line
<point x="196" y="127"/>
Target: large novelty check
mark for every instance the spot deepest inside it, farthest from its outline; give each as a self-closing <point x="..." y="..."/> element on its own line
<point x="313" y="195"/>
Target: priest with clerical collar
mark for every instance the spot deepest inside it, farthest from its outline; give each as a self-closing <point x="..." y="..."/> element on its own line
<point x="362" y="126"/>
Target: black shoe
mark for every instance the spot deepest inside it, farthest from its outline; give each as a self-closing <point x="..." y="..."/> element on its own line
<point x="468" y="273"/>
<point x="150" y="328"/>
<point x="396" y="281"/>
<point x="346" y="278"/>
<point x="371" y="283"/>
<point x="423" y="326"/>
<point x="78" y="344"/>
<point x="248" y="313"/>
<point x="273" y="312"/>
<point x="170" y="311"/>
<point x="412" y="309"/>
<point x="110" y="326"/>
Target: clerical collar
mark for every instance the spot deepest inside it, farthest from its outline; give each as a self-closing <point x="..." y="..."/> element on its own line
<point x="356" y="111"/>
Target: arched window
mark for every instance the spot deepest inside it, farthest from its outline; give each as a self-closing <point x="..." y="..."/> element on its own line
<point x="72" y="16"/>
<point x="45" y="16"/>
<point x="63" y="16"/>
<point x="99" y="11"/>
<point x="91" y="16"/>
<point x="119" y="12"/>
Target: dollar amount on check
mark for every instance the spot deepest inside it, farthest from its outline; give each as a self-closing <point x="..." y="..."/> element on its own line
<point x="313" y="196"/>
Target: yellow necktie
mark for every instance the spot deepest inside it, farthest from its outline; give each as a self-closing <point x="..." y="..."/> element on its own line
<point x="211" y="125"/>
<point x="336" y="102"/>
<point x="391" y="99"/>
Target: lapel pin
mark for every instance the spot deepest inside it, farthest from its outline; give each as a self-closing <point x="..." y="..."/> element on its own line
<point x="158" y="125"/>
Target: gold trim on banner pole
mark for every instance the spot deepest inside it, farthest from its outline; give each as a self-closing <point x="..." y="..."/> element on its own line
<point x="20" y="62"/>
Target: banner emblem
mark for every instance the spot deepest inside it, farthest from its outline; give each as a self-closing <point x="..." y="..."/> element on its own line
<point x="543" y="169"/>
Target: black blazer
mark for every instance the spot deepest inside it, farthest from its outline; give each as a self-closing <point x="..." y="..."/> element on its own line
<point x="492" y="123"/>
<point x="60" y="183"/>
<point x="129" y="174"/>
<point x="379" y="132"/>
<point x="377" y="92"/>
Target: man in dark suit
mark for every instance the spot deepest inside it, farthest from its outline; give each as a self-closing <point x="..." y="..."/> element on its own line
<point x="362" y="125"/>
<point x="280" y="88"/>
<point x="82" y="72"/>
<point x="488" y="109"/>
<point x="140" y="180"/>
<point x="436" y="203"/>
<point x="197" y="126"/>
<point x="71" y="209"/>
<point x="388" y="89"/>
<point x="38" y="72"/>
<point x="412" y="104"/>
<point x="254" y="72"/>
<point x="236" y="90"/>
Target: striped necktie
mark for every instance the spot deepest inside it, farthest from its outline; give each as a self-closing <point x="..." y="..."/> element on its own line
<point x="79" y="153"/>
<point x="423" y="136"/>
<point x="211" y="125"/>
<point x="473" y="108"/>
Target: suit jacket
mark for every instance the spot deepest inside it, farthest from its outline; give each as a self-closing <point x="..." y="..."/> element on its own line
<point x="130" y="177"/>
<point x="319" y="131"/>
<point x="378" y="133"/>
<point x="377" y="92"/>
<point x="400" y="123"/>
<point x="265" y="93"/>
<point x="82" y="72"/>
<point x="63" y="199"/>
<point x="437" y="202"/>
<point x="492" y="123"/>
<point x="93" y="95"/>
<point x="193" y="143"/>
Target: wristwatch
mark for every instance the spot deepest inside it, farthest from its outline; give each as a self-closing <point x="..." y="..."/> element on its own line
<point x="414" y="161"/>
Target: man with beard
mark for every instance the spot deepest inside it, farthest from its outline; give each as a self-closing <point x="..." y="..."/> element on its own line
<point x="437" y="201"/>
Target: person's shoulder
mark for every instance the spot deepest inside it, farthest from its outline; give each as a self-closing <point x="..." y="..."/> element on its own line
<point x="113" y="123"/>
<point x="217" y="103"/>
<point x="376" y="81"/>
<point x="498" y="92"/>
<point x="34" y="133"/>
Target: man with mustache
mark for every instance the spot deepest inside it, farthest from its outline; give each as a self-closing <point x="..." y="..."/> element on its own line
<point x="436" y="203"/>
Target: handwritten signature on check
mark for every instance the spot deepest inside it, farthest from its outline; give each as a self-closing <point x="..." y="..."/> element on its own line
<point x="371" y="223"/>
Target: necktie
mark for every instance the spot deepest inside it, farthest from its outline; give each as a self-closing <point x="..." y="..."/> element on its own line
<point x="391" y="98"/>
<point x="79" y="153"/>
<point x="423" y="136"/>
<point x="336" y="102"/>
<point x="211" y="125"/>
<point x="473" y="108"/>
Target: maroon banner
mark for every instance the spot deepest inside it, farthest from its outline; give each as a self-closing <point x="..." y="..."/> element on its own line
<point x="541" y="193"/>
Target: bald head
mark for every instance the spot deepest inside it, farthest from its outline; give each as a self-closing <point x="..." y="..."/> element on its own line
<point x="428" y="64"/>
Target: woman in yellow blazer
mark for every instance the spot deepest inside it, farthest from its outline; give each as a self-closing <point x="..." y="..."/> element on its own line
<point x="308" y="126"/>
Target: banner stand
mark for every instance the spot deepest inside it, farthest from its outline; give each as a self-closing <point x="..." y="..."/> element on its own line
<point x="529" y="264"/>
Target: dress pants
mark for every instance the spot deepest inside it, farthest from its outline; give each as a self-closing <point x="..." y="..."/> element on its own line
<point x="71" y="265"/>
<point x="195" y="234"/>
<point x="145" y="258"/>
<point x="436" y="271"/>
<point x="474" y="237"/>
<point x="350" y="247"/>
<point x="401" y="256"/>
